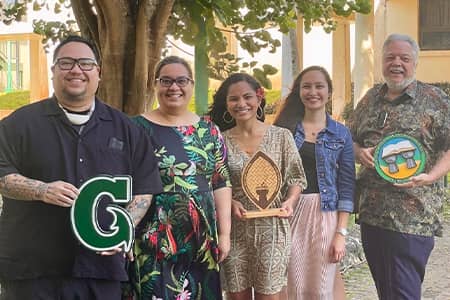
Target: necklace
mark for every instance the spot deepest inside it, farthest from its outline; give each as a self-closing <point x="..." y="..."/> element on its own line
<point x="312" y="130"/>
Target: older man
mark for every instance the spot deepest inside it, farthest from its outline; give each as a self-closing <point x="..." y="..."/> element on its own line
<point x="47" y="150"/>
<point x="399" y="221"/>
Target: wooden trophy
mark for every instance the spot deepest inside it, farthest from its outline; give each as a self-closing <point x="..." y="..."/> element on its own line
<point x="261" y="182"/>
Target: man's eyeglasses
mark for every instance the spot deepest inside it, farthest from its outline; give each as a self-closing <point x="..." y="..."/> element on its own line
<point x="181" y="81"/>
<point x="381" y="121"/>
<point x="67" y="63"/>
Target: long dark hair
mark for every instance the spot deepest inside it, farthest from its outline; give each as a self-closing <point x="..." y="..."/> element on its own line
<point x="219" y="105"/>
<point x="293" y="109"/>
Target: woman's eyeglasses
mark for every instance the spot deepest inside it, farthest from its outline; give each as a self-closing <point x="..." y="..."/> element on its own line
<point x="181" y="81"/>
<point x="67" y="63"/>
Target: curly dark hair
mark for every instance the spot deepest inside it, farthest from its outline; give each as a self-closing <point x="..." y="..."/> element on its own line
<point x="293" y="109"/>
<point x="219" y="105"/>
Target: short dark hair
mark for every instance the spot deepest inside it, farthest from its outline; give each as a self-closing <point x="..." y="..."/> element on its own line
<point x="219" y="105"/>
<point x="172" y="60"/>
<point x="77" y="39"/>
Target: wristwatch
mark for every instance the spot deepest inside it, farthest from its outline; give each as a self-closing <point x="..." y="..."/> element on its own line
<point x="342" y="231"/>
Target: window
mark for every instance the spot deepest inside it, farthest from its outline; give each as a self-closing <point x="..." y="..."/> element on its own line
<point x="434" y="24"/>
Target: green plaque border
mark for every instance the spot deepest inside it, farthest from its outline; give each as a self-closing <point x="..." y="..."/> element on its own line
<point x="382" y="144"/>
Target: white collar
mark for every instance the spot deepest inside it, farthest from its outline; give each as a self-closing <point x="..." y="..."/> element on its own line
<point x="78" y="119"/>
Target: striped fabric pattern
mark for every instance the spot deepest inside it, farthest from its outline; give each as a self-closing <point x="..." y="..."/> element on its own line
<point x="310" y="275"/>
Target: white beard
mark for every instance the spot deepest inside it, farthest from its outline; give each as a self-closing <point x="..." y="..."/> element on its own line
<point x="399" y="86"/>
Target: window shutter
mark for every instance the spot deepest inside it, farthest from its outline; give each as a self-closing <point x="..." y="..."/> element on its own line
<point x="434" y="24"/>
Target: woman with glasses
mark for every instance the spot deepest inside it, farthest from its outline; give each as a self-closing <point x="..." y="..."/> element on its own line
<point x="319" y="223"/>
<point x="186" y="231"/>
<point x="260" y="247"/>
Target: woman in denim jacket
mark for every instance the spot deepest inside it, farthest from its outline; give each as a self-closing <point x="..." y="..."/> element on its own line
<point x="320" y="219"/>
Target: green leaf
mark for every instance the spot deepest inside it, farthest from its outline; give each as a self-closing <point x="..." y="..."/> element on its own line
<point x="184" y="184"/>
<point x="57" y="8"/>
<point x="197" y="150"/>
<point x="269" y="70"/>
<point x="36" y="6"/>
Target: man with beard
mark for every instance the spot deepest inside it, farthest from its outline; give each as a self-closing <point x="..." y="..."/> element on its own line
<point x="399" y="221"/>
<point x="48" y="149"/>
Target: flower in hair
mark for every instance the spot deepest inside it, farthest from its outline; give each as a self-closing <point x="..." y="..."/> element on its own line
<point x="260" y="92"/>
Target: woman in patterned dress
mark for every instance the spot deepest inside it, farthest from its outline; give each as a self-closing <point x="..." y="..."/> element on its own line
<point x="320" y="220"/>
<point x="186" y="231"/>
<point x="260" y="247"/>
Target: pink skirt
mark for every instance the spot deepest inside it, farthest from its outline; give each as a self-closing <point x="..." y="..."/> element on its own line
<point x="310" y="273"/>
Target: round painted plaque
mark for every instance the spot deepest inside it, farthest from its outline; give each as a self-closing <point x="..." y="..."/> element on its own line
<point x="398" y="157"/>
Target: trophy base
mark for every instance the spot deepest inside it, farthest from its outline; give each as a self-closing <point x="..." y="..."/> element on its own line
<point x="271" y="212"/>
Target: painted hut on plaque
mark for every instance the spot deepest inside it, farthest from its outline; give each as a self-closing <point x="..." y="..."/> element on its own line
<point x="399" y="157"/>
<point x="261" y="182"/>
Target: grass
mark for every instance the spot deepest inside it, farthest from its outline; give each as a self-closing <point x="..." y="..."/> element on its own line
<point x="14" y="99"/>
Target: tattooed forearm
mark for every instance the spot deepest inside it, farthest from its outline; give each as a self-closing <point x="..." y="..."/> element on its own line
<point x="138" y="207"/>
<point x="18" y="187"/>
<point x="41" y="190"/>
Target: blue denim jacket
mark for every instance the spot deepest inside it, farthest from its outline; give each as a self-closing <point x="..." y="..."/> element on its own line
<point x="335" y="165"/>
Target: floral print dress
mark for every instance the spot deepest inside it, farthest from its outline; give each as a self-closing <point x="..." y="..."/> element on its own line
<point x="176" y="245"/>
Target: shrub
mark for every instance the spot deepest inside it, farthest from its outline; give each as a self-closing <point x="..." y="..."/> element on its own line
<point x="14" y="100"/>
<point x="445" y="86"/>
<point x="273" y="99"/>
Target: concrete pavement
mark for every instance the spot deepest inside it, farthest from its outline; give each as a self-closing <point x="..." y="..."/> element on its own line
<point x="436" y="286"/>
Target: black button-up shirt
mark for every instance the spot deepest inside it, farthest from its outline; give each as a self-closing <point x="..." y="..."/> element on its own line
<point x="38" y="142"/>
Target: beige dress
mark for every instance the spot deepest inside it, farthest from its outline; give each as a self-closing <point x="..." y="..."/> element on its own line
<point x="260" y="247"/>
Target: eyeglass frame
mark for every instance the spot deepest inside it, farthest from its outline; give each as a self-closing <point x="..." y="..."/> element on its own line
<point x="381" y="120"/>
<point x="172" y="81"/>
<point x="76" y="61"/>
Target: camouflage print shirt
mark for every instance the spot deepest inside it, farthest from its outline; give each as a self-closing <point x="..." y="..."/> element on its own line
<point x="422" y="112"/>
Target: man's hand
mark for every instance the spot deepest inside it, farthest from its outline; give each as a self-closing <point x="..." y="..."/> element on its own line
<point x="129" y="255"/>
<point x="57" y="193"/>
<point x="440" y="169"/>
<point x="16" y="186"/>
<point x="364" y="155"/>
<point x="416" y="181"/>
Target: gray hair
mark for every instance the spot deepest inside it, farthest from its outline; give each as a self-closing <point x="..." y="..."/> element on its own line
<point x="402" y="37"/>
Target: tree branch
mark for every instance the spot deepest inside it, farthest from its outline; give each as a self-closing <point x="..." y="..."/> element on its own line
<point x="86" y="20"/>
<point x="156" y="34"/>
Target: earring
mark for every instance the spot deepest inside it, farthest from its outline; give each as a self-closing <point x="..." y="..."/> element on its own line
<point x="225" y="115"/>
<point x="259" y="112"/>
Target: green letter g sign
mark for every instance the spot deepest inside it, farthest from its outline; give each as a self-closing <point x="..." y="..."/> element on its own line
<point x="84" y="214"/>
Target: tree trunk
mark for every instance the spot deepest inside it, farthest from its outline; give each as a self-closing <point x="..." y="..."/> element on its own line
<point x="129" y="36"/>
<point x="201" y="69"/>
